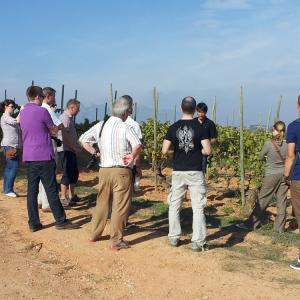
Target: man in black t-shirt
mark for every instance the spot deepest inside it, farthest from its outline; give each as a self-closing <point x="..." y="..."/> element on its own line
<point x="210" y="128"/>
<point x="190" y="141"/>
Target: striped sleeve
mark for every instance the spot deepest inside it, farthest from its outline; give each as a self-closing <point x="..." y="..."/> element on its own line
<point x="91" y="135"/>
<point x="132" y="137"/>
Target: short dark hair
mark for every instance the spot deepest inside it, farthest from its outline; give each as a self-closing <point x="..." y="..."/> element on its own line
<point x="128" y="98"/>
<point x="48" y="91"/>
<point x="6" y="102"/>
<point x="73" y="102"/>
<point x="188" y="105"/>
<point x="202" y="107"/>
<point x="33" y="91"/>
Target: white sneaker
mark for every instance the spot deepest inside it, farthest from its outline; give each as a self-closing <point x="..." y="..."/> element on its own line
<point x="11" y="194"/>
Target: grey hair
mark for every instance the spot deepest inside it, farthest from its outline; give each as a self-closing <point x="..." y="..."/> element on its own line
<point x="120" y="107"/>
<point x="48" y="91"/>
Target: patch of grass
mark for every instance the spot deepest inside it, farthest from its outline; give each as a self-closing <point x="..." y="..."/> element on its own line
<point x="228" y="210"/>
<point x="85" y="190"/>
<point x="285" y="239"/>
<point x="141" y="207"/>
<point x="256" y="250"/>
<point x="227" y="220"/>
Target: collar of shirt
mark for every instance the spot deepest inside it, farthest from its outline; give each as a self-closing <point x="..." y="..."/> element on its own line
<point x="31" y="104"/>
<point x="66" y="113"/>
<point x="46" y="105"/>
<point x="113" y="118"/>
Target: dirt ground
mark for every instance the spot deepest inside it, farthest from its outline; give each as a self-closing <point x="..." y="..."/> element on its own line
<point x="52" y="264"/>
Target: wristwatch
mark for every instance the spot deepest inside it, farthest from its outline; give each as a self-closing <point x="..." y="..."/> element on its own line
<point x="287" y="179"/>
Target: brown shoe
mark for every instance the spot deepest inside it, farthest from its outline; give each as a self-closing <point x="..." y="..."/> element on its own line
<point x="121" y="245"/>
<point x="67" y="225"/>
<point x="46" y="210"/>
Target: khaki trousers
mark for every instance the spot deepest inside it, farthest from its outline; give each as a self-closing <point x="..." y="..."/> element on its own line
<point x="115" y="186"/>
<point x="295" y="194"/>
<point x="272" y="185"/>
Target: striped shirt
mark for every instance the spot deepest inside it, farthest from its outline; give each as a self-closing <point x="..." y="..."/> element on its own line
<point x="117" y="140"/>
<point x="135" y="126"/>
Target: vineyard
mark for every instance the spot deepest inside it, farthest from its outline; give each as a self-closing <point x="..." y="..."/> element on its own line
<point x="223" y="163"/>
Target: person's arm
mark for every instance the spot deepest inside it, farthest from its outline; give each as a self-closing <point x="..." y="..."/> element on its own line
<point x="53" y="130"/>
<point x="166" y="147"/>
<point x="206" y="147"/>
<point x="136" y="145"/>
<point x="264" y="151"/>
<point x="57" y="122"/>
<point x="213" y="134"/>
<point x="289" y="161"/>
<point x="90" y="137"/>
<point x="49" y="123"/>
<point x="69" y="142"/>
<point x="213" y="141"/>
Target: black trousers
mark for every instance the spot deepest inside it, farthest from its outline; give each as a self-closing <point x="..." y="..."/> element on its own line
<point x="44" y="171"/>
<point x="69" y="165"/>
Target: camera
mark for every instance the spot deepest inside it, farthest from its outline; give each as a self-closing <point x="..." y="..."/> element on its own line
<point x="57" y="141"/>
<point x="92" y="161"/>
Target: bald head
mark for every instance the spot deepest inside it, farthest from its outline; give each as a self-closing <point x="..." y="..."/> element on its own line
<point x="188" y="105"/>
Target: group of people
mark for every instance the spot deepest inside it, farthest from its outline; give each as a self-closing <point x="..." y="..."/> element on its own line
<point x="116" y="141"/>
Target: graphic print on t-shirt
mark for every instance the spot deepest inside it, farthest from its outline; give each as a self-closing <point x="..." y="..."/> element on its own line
<point x="185" y="137"/>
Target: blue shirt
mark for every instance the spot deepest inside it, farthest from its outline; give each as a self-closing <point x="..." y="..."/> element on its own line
<point x="293" y="136"/>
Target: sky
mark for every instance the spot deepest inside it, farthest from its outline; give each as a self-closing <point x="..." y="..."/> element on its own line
<point x="205" y="49"/>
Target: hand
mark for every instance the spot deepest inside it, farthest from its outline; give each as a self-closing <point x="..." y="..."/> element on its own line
<point x="138" y="172"/>
<point x="287" y="180"/>
<point x="127" y="159"/>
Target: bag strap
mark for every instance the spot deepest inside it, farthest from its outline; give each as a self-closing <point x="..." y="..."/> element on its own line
<point x="100" y="133"/>
<point x="278" y="150"/>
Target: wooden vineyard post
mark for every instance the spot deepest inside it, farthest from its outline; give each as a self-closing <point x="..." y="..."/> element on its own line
<point x="62" y="98"/>
<point x="242" y="169"/>
<point x="111" y="99"/>
<point x="116" y="94"/>
<point x="214" y="110"/>
<point x="175" y="114"/>
<point x="96" y="114"/>
<point x="268" y="120"/>
<point x="135" y="110"/>
<point x="277" y="116"/>
<point x="260" y="120"/>
<point x="32" y="83"/>
<point x="154" y="162"/>
<point x="75" y="99"/>
<point x="5" y="95"/>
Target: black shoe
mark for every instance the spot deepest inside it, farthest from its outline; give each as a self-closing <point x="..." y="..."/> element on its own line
<point x="67" y="225"/>
<point x="36" y="228"/>
<point x="75" y="199"/>
<point x="243" y="226"/>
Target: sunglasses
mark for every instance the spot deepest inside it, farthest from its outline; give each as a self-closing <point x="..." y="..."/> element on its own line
<point x="53" y="105"/>
<point x="11" y="106"/>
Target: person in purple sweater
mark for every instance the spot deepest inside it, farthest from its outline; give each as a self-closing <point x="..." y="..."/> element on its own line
<point x="37" y="126"/>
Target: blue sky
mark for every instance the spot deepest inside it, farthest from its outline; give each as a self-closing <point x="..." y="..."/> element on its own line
<point x="201" y="48"/>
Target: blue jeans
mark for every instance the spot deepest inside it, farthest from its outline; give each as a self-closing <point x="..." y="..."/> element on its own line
<point x="10" y="172"/>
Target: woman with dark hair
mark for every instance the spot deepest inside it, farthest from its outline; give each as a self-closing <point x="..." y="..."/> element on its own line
<point x="274" y="153"/>
<point x="10" y="144"/>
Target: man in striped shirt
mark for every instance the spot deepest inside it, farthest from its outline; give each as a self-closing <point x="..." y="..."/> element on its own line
<point x="119" y="147"/>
